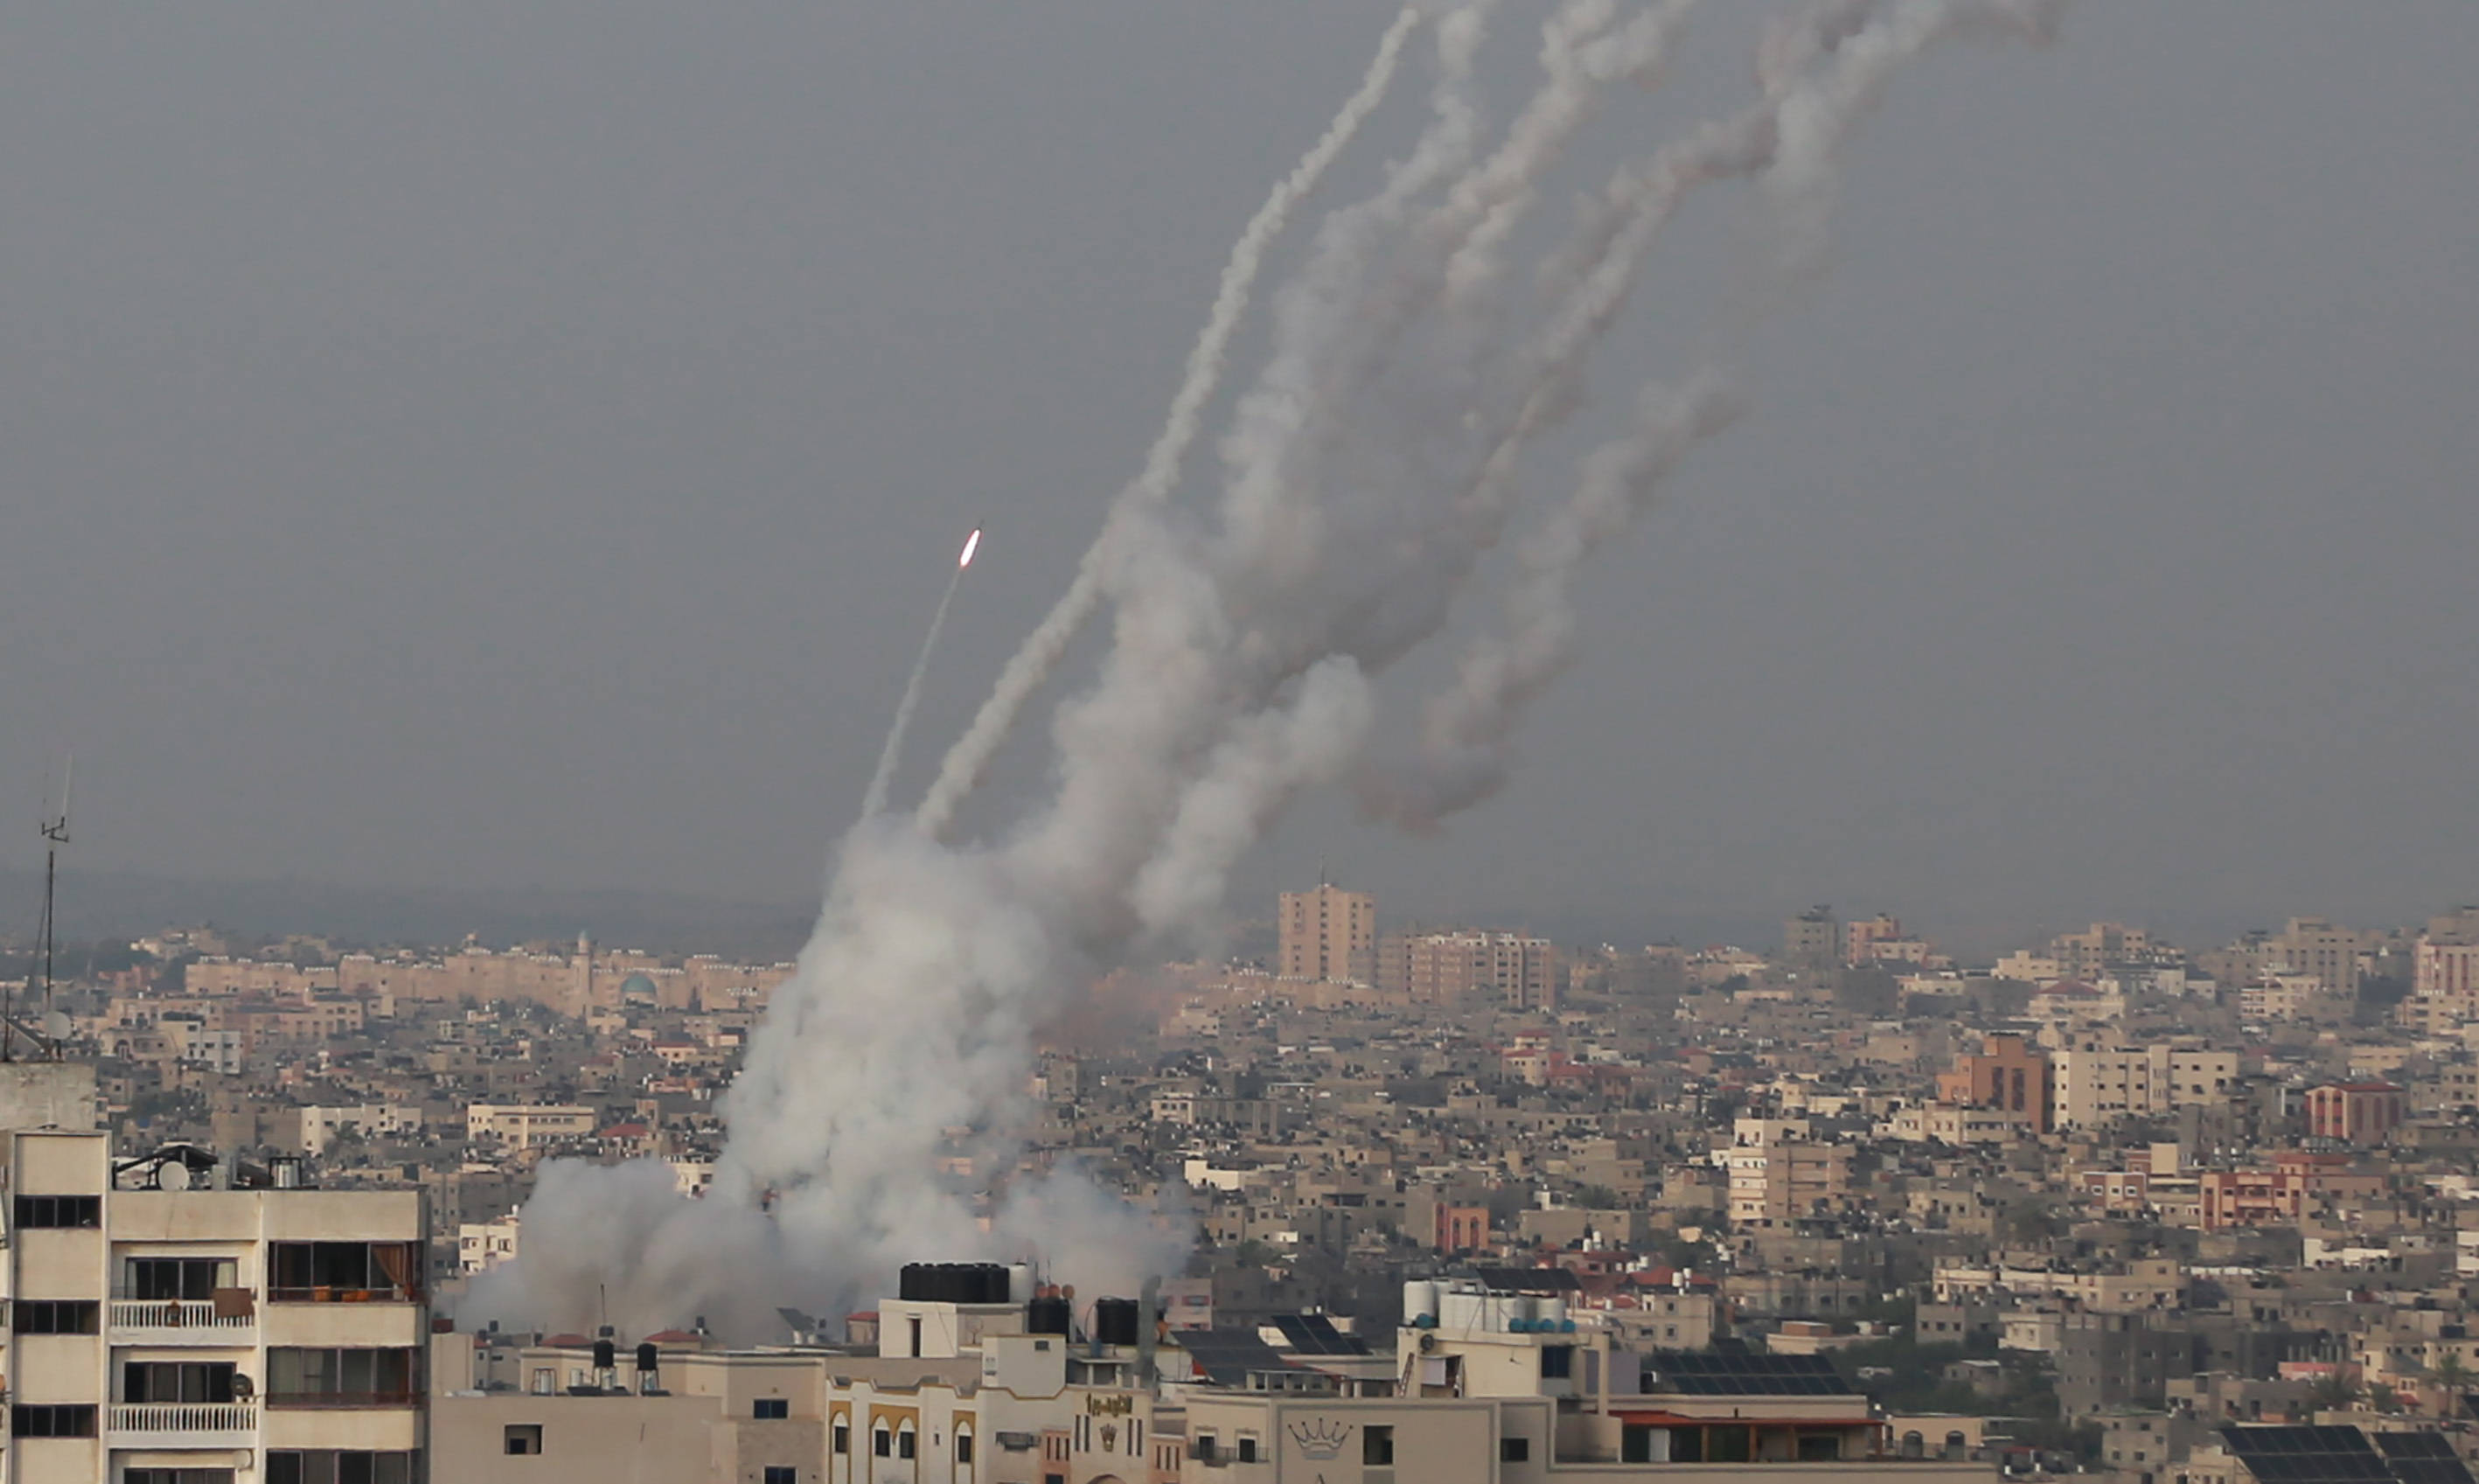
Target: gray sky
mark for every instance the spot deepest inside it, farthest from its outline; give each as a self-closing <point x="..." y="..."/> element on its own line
<point x="459" y="444"/>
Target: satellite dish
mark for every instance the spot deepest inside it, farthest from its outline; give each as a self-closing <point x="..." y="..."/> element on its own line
<point x="171" y="1175"/>
<point x="55" y="1026"/>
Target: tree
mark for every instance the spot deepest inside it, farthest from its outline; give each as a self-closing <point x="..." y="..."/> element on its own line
<point x="2335" y="1392"/>
<point x="2453" y="1376"/>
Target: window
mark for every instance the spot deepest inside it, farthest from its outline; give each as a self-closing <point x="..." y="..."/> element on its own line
<point x="319" y="1272"/>
<point x="176" y="1477"/>
<point x="341" y="1378"/>
<point x="907" y="1443"/>
<point x="1202" y="1449"/>
<point x="544" y="1379"/>
<point x="843" y="1437"/>
<point x="781" y="1474"/>
<point x="1557" y="1362"/>
<point x="1514" y="1450"/>
<point x="963" y="1447"/>
<point x="882" y="1442"/>
<point x="176" y="1381"/>
<point x="771" y="1409"/>
<point x="521" y="1438"/>
<point x="36" y="1212"/>
<point x="73" y="1422"/>
<point x="55" y="1315"/>
<point x="336" y="1466"/>
<point x="1247" y="1449"/>
<point x="177" y="1277"/>
<point x="1377" y="1447"/>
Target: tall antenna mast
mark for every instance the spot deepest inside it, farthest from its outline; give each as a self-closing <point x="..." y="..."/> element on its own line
<point x="56" y="833"/>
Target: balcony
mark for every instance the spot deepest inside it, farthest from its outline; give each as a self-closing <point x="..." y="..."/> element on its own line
<point x="179" y="1321"/>
<point x="184" y="1424"/>
<point x="287" y="1401"/>
<point x="329" y="1293"/>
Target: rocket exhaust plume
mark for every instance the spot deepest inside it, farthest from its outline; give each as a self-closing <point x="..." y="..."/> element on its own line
<point x="891" y="752"/>
<point x="1045" y="648"/>
<point x="1366" y="471"/>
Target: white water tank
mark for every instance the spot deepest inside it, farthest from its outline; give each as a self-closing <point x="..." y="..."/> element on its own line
<point x="1420" y="1298"/>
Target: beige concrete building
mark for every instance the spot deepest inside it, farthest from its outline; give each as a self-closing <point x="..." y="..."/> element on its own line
<point x="163" y="1327"/>
<point x="1495" y="1389"/>
<point x="2322" y="952"/>
<point x="2098" y="1083"/>
<point x="520" y="1126"/>
<point x="1454" y="968"/>
<point x="1329" y="933"/>
<point x="1779" y="1174"/>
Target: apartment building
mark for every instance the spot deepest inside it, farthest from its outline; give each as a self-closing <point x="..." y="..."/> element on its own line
<point x="1454" y="968"/>
<point x="2006" y="1076"/>
<point x="2097" y="1083"/>
<point x="519" y="1126"/>
<point x="1779" y="1174"/>
<point x="1328" y="934"/>
<point x="2321" y="951"/>
<point x="2356" y="1112"/>
<point x="166" y="1327"/>
<point x="1484" y="1386"/>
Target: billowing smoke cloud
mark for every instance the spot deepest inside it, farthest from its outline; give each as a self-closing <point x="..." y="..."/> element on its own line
<point x="1365" y="471"/>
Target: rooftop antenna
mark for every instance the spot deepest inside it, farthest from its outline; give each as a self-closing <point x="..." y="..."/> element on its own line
<point x="56" y="833"/>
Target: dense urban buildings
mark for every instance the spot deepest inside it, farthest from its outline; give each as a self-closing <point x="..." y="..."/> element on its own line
<point x="1466" y="1204"/>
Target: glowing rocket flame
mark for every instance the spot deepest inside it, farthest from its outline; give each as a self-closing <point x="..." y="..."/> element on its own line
<point x="972" y="543"/>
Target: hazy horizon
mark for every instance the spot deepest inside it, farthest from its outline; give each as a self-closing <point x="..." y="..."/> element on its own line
<point x="465" y="450"/>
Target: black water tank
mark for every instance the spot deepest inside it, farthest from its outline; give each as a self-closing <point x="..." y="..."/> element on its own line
<point x="647" y="1357"/>
<point x="1047" y="1316"/>
<point x="1115" y="1320"/>
<point x="605" y="1355"/>
<point x="952" y="1283"/>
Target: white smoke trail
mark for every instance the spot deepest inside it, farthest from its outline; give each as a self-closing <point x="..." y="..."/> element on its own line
<point x="1820" y="77"/>
<point x="876" y="1117"/>
<point x="1579" y="67"/>
<point x="1039" y="656"/>
<point x="891" y="751"/>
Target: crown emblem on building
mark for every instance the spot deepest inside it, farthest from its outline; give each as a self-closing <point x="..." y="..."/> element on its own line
<point x="1320" y="1439"/>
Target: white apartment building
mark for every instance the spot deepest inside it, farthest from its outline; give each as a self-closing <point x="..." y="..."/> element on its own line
<point x="165" y="1329"/>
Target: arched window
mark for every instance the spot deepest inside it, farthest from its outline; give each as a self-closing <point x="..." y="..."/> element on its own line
<point x="880" y="1440"/>
<point x="1955" y="1444"/>
<point x="1914" y="1446"/>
